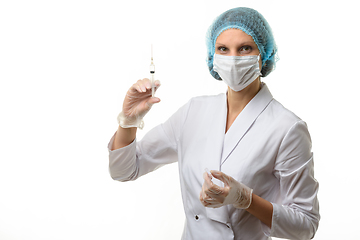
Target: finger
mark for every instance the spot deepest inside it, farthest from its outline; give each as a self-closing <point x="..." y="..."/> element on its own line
<point x="221" y="176"/>
<point x="151" y="101"/>
<point x="202" y="199"/>
<point x="214" y="191"/>
<point x="157" y="84"/>
<point x="218" y="195"/>
<point x="142" y="84"/>
<point x="139" y="87"/>
<point x="210" y="200"/>
<point x="147" y="83"/>
<point x="136" y="87"/>
<point x="207" y="199"/>
<point x="207" y="174"/>
<point x="207" y="180"/>
<point x="143" y="87"/>
<point x="211" y="188"/>
<point x="202" y="192"/>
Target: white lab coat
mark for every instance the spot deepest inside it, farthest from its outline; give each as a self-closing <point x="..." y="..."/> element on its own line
<point x="267" y="148"/>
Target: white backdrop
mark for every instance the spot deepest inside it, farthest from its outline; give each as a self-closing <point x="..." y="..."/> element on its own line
<point x="65" y="67"/>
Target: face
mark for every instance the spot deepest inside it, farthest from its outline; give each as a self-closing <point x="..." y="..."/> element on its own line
<point x="234" y="42"/>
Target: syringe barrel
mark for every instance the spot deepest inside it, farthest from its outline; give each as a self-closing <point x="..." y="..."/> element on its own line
<point x="152" y="79"/>
<point x="152" y="68"/>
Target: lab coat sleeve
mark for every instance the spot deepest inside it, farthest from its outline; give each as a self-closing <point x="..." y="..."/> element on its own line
<point x="297" y="217"/>
<point x="157" y="148"/>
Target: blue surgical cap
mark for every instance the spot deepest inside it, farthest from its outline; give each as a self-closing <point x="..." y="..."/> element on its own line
<point x="252" y="23"/>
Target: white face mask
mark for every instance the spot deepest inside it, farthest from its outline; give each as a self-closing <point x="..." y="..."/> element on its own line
<point x="237" y="72"/>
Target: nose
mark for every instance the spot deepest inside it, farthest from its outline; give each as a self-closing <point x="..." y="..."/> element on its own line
<point x="234" y="52"/>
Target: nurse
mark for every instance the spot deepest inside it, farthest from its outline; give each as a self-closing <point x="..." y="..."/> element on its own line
<point x="261" y="182"/>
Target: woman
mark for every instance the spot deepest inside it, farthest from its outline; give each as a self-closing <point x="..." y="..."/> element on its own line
<point x="261" y="182"/>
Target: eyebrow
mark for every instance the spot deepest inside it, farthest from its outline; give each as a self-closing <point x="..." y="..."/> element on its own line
<point x="241" y="43"/>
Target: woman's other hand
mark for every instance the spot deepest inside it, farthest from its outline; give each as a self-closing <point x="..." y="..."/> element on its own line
<point x="233" y="192"/>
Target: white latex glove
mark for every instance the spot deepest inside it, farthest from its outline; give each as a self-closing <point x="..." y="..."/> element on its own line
<point x="137" y="103"/>
<point x="233" y="192"/>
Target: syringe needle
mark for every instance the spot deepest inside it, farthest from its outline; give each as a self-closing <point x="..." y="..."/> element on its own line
<point x="151" y="52"/>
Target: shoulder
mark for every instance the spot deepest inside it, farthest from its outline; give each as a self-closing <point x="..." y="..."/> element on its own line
<point x="284" y="125"/>
<point x="274" y="116"/>
<point x="206" y="99"/>
<point x="279" y="115"/>
<point x="199" y="106"/>
<point x="207" y="102"/>
<point x="292" y="132"/>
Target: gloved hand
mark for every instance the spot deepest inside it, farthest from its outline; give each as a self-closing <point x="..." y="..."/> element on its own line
<point x="137" y="103"/>
<point x="233" y="192"/>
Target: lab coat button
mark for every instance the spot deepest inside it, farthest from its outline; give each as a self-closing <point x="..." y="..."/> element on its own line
<point x="196" y="217"/>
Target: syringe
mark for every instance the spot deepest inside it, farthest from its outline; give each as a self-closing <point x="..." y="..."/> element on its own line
<point x="152" y="73"/>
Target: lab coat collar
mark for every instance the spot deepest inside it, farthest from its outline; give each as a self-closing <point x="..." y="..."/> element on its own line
<point x="245" y="120"/>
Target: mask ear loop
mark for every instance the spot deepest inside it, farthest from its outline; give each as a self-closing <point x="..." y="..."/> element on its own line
<point x="258" y="58"/>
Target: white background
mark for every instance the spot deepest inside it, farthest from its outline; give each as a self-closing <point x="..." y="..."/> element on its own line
<point x="65" y="67"/>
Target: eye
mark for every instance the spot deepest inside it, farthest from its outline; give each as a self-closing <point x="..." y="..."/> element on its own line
<point x="245" y="49"/>
<point x="222" y="49"/>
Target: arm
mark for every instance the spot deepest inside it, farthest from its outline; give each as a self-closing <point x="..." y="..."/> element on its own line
<point x="129" y="159"/>
<point x="261" y="209"/>
<point x="137" y="103"/>
<point x="123" y="137"/>
<point x="296" y="215"/>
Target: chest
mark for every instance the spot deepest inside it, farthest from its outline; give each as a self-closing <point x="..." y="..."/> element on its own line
<point x="248" y="157"/>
